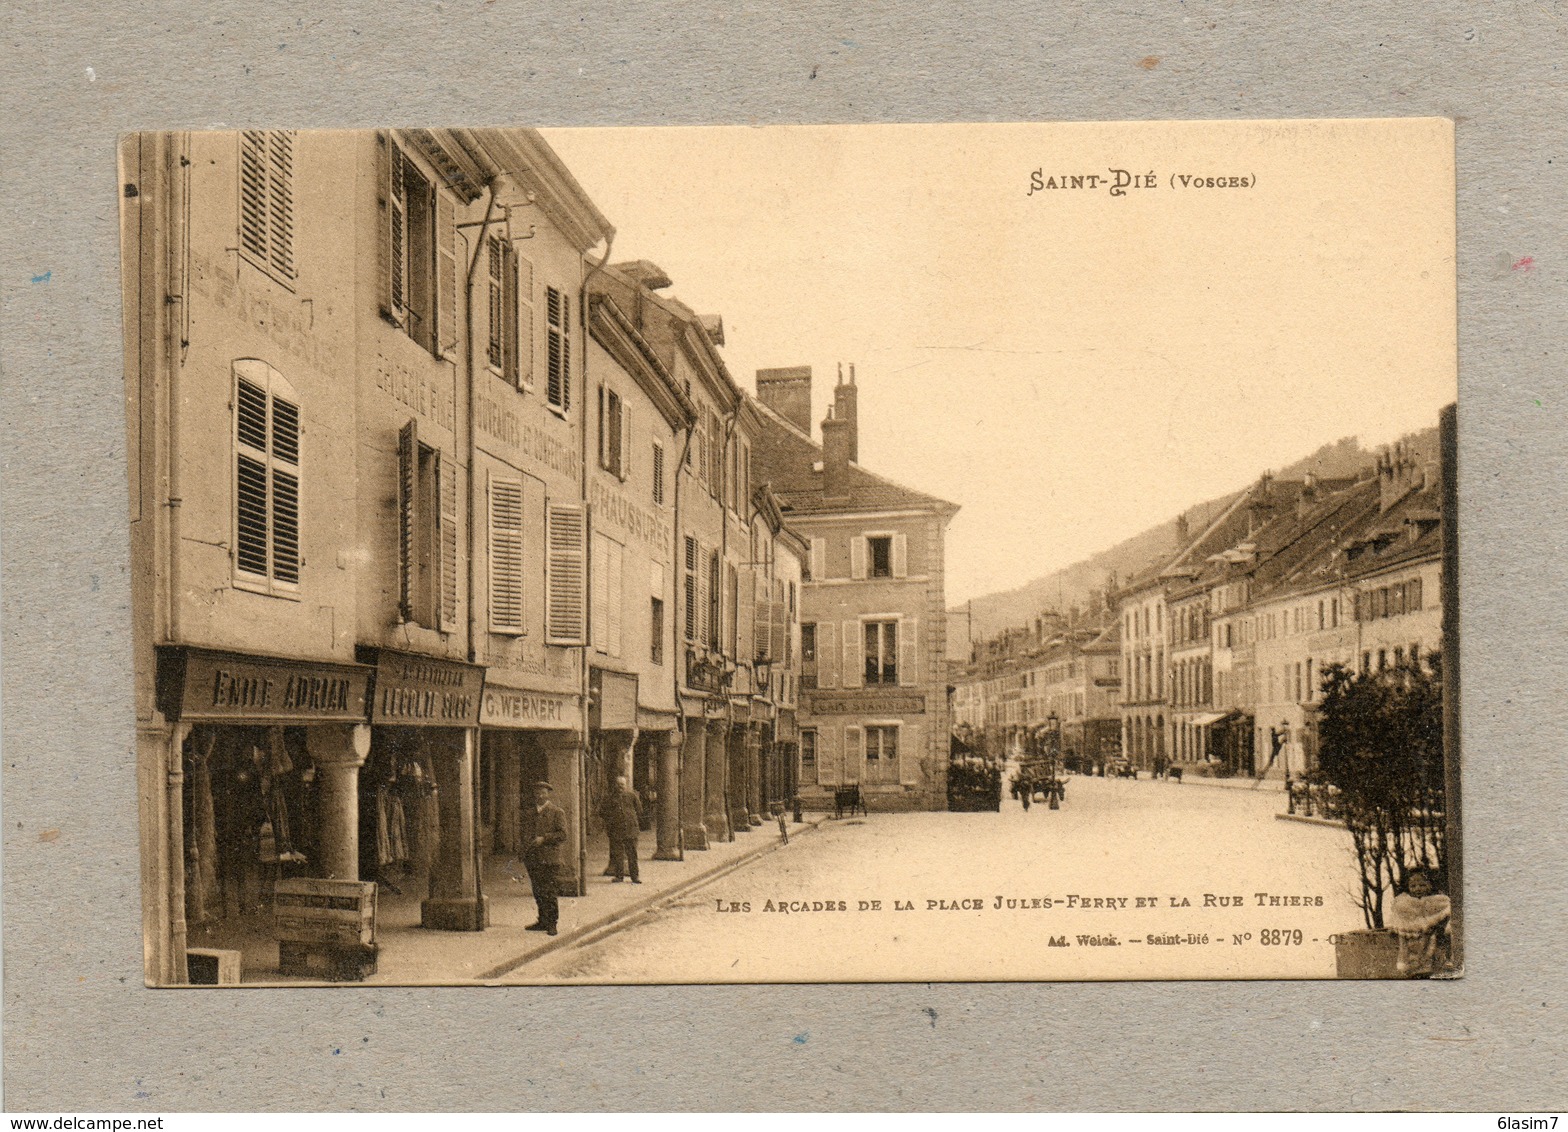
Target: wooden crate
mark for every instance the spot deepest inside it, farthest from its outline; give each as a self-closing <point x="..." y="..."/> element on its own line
<point x="331" y="913"/>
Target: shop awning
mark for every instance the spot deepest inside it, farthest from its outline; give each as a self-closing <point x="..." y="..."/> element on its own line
<point x="1211" y="718"/>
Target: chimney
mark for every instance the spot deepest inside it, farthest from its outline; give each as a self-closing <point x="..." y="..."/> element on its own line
<point x="1183" y="529"/>
<point x="788" y="393"/>
<point x="837" y="441"/>
<point x="1396" y="475"/>
<point x="844" y="409"/>
<point x="1309" y="494"/>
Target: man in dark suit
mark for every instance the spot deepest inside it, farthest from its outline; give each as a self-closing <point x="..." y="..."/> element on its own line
<point x="542" y="858"/>
<point x="622" y="812"/>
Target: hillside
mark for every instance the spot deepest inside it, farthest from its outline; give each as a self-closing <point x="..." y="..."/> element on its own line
<point x="1080" y="583"/>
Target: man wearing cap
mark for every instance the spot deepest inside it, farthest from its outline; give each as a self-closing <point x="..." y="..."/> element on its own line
<point x="542" y="857"/>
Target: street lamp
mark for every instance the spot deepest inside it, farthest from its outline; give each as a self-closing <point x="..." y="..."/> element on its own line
<point x="1054" y="722"/>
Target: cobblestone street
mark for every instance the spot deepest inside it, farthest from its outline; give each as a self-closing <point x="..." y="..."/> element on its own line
<point x="1011" y="895"/>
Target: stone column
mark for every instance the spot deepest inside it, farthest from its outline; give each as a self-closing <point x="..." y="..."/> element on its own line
<point x="739" y="780"/>
<point x="716" y="798"/>
<point x="338" y="753"/>
<point x="693" y="785"/>
<point x="454" y="903"/>
<point x="667" y="811"/>
<point x="755" y="803"/>
<point x="563" y="752"/>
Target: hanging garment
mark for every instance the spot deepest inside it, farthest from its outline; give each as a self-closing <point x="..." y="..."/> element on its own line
<point x="397" y="830"/>
<point x="383" y="832"/>
<point x="203" y="901"/>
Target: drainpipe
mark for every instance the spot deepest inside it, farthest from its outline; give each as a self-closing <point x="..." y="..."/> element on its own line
<point x="724" y="554"/>
<point x="582" y="664"/>
<point x="678" y="560"/>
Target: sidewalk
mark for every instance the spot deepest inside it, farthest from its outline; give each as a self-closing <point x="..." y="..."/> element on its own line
<point x="1240" y="782"/>
<point x="410" y="954"/>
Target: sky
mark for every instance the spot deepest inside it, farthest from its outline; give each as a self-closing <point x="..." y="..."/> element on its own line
<point x="1069" y="365"/>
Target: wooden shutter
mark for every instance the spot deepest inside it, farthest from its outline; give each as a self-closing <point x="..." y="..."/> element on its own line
<point x="854" y="753"/>
<point x="626" y="439"/>
<point x="827" y="655"/>
<point x="761" y="624"/>
<point x="830" y="757"/>
<point x="525" y="321"/>
<point x="911" y="746"/>
<point x="819" y="555"/>
<point x="394" y="204"/>
<point x="558" y="314"/>
<point x="506" y="555"/>
<point x="251" y="510"/>
<point x="690" y="593"/>
<point x="280" y="202"/>
<point x="253" y="193"/>
<point x="900" y="555"/>
<point x="857" y="556"/>
<point x="566" y="539"/>
<point x="599" y="595"/>
<point x="779" y="630"/>
<point x="854" y="654"/>
<point x="446" y="492"/>
<point x="908" y="652"/>
<point x="658" y="473"/>
<point x="443" y="324"/>
<point x="285" y="491"/>
<point x="408" y="516"/>
<point x="267" y="199"/>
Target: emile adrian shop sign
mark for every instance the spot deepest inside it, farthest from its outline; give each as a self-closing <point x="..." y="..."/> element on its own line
<point x="197" y="684"/>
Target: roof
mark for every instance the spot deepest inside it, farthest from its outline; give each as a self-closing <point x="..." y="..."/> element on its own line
<point x="791" y="463"/>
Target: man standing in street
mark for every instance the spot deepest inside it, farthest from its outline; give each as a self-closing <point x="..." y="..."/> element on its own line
<point x="622" y="819"/>
<point x="542" y="858"/>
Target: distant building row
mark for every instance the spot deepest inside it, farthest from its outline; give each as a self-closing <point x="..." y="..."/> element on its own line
<point x="1221" y="647"/>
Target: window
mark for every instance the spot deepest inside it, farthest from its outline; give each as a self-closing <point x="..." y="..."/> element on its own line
<point x="882" y="754"/>
<point x="558" y="372"/>
<point x="267" y="200"/>
<point x="881" y="658"/>
<point x="566" y="612"/>
<point x="506" y="555"/>
<point x="656" y="626"/>
<point x="808" y="755"/>
<point x="881" y="553"/>
<point x="614" y="433"/>
<point x="658" y="473"/>
<point x="502" y="345"/>
<point x="715" y="601"/>
<point x="421" y="255"/>
<point x="427" y="534"/>
<point x="731" y="609"/>
<point x="266" y="480"/>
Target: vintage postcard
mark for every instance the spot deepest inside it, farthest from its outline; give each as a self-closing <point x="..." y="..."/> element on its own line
<point x="795" y="554"/>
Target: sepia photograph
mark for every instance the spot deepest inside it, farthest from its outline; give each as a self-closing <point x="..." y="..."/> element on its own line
<point x="795" y="554"/>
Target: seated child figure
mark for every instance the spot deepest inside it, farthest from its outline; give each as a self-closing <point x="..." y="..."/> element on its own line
<point x="1419" y="916"/>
